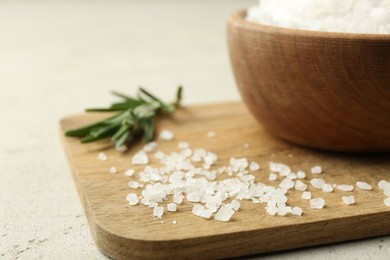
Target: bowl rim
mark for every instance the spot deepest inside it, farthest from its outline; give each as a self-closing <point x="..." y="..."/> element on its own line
<point x="237" y="18"/>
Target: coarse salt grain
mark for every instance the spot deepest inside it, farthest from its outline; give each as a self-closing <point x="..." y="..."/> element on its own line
<point x="316" y="170"/>
<point x="102" y="156"/>
<point x="166" y="135"/>
<point x="387" y="202"/>
<point x="129" y="172"/>
<point x="349" y="200"/>
<point x="197" y="209"/>
<point x="327" y="188"/>
<point x="317" y="203"/>
<point x="254" y="166"/>
<point x="272" y="177"/>
<point x="296" y="211"/>
<point x="287" y="184"/>
<point x="344" y="187"/>
<point x="149" y="147"/>
<point x="178" y="198"/>
<point x="224" y="213"/>
<point x="133" y="184"/>
<point x="132" y="198"/>
<point x="235" y="204"/>
<point x="363" y="185"/>
<point x="174" y="222"/>
<point x="384" y="185"/>
<point x="301" y="175"/>
<point x="113" y="170"/>
<point x="171" y="207"/>
<point x="300" y="186"/>
<point x="206" y="213"/>
<point x="306" y="195"/>
<point x="140" y="158"/>
<point x="158" y="211"/>
<point x="317" y="183"/>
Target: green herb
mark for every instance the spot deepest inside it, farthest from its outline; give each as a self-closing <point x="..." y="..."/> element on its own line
<point x="135" y="116"/>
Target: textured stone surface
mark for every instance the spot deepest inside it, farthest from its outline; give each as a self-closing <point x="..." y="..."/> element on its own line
<point x="56" y="58"/>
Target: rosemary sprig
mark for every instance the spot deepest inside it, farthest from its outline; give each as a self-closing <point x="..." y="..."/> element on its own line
<point x="135" y="116"/>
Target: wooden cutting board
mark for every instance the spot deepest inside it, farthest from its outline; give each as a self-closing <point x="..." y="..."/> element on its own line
<point x="122" y="231"/>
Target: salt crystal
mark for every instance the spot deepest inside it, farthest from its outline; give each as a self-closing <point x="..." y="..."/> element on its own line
<point x="349" y="200"/>
<point x="282" y="211"/>
<point x="194" y="196"/>
<point x="166" y="135"/>
<point x="254" y="166"/>
<point x="174" y="221"/>
<point x="211" y="134"/>
<point x="178" y="198"/>
<point x="224" y="213"/>
<point x="384" y="185"/>
<point x="317" y="183"/>
<point x="132" y="198"/>
<point x="301" y="175"/>
<point x="271" y="210"/>
<point x="158" y="211"/>
<point x="235" y="204"/>
<point x="363" y="185"/>
<point x="113" y="170"/>
<point x="387" y="202"/>
<point x="133" y="184"/>
<point x="197" y="209"/>
<point x="272" y="177"/>
<point x="102" y="156"/>
<point x="183" y="145"/>
<point x="344" y="187"/>
<point x="296" y="211"/>
<point x="287" y="184"/>
<point x="327" y="188"/>
<point x="316" y="170"/>
<point x="172" y="207"/>
<point x="300" y="186"/>
<point x="292" y="176"/>
<point x="140" y="158"/>
<point x="306" y="195"/>
<point x="206" y="213"/>
<point x="129" y="172"/>
<point x="317" y="203"/>
<point x="149" y="147"/>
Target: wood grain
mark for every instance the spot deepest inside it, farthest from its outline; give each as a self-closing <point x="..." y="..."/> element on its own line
<point x="122" y="231"/>
<point x="318" y="89"/>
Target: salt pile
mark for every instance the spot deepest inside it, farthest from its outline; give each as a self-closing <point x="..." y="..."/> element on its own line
<point x="354" y="16"/>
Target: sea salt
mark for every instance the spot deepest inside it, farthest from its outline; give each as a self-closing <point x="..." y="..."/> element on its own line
<point x="317" y="183"/>
<point x="301" y="175"/>
<point x="387" y="202"/>
<point x="166" y="135"/>
<point x="363" y="185"/>
<point x="113" y="170"/>
<point x="344" y="187"/>
<point x="158" y="211"/>
<point x="349" y="200"/>
<point x="320" y="15"/>
<point x="327" y="188"/>
<point x="300" y="186"/>
<point x="317" y="203"/>
<point x="178" y="198"/>
<point x="171" y="207"/>
<point x="306" y="195"/>
<point x="287" y="184"/>
<point x="297" y="211"/>
<point x="235" y="204"/>
<point x="149" y="147"/>
<point x="224" y="213"/>
<point x="316" y="170"/>
<point x="197" y="209"/>
<point x="132" y="198"/>
<point x="254" y="166"/>
<point x="133" y="184"/>
<point x="102" y="156"/>
<point x="140" y="158"/>
<point x="206" y="213"/>
<point x="129" y="172"/>
<point x="272" y="177"/>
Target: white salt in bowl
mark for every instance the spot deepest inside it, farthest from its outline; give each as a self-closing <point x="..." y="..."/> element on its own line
<point x="323" y="90"/>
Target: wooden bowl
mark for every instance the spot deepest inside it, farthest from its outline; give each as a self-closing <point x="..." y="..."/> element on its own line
<point x="323" y="90"/>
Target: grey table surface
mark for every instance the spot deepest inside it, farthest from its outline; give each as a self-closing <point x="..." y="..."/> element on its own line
<point x="57" y="57"/>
